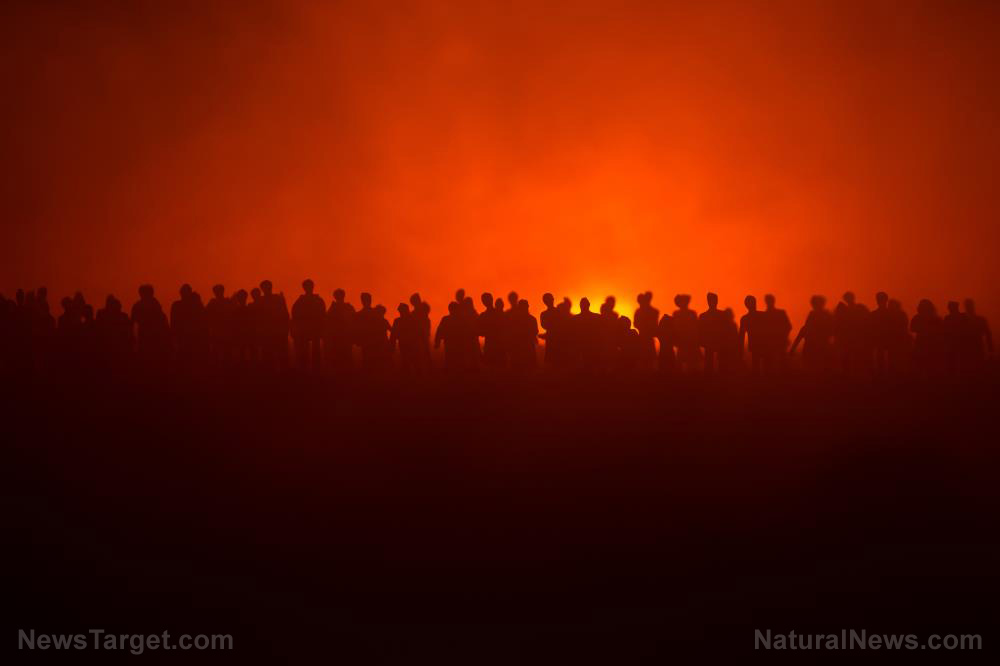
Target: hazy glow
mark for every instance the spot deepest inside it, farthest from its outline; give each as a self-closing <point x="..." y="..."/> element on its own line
<point x="569" y="147"/>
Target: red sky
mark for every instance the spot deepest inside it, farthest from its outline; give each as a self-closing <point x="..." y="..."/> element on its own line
<point x="576" y="147"/>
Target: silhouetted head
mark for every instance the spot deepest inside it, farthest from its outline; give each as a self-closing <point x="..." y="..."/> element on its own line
<point x="882" y="299"/>
<point x="730" y="315"/>
<point x="712" y="299"/>
<point x="403" y="309"/>
<point x="970" y="306"/>
<point x="751" y="303"/>
<point x="817" y="302"/>
<point x="522" y="305"/>
<point x="459" y="295"/>
<point x="308" y="286"/>
<point x="255" y="294"/>
<point x="682" y="301"/>
<point x="584" y="304"/>
<point x="266" y="287"/>
<point x="953" y="307"/>
<point x="42" y="294"/>
<point x="414" y="300"/>
<point x="219" y="291"/>
<point x="610" y="301"/>
<point x="769" y="301"/>
<point x="186" y="291"/>
<point x="625" y="324"/>
<point x="366" y="299"/>
<point x="895" y="305"/>
<point x="339" y="295"/>
<point x="512" y="299"/>
<point x="498" y="305"/>
<point x="849" y="297"/>
<point x="453" y="308"/>
<point x="241" y="296"/>
<point x="926" y="308"/>
<point x="649" y="298"/>
<point x="112" y="304"/>
<point x="146" y="292"/>
<point x="380" y="310"/>
<point x="67" y="303"/>
<point x="487" y="300"/>
<point x="548" y="299"/>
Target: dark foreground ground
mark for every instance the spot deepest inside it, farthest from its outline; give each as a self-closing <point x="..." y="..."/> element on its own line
<point x="483" y="521"/>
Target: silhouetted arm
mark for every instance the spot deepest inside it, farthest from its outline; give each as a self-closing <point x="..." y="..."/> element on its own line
<point x="799" y="337"/>
<point x="439" y="335"/>
<point x="393" y="335"/>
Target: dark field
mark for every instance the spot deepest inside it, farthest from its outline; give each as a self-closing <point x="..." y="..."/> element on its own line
<point x="544" y="520"/>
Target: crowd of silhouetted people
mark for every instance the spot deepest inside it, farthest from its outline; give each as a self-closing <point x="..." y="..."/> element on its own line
<point x="258" y="330"/>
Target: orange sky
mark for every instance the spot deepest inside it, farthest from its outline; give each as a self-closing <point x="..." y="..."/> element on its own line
<point x="575" y="147"/>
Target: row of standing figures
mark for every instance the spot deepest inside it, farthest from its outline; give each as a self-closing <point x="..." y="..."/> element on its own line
<point x="254" y="328"/>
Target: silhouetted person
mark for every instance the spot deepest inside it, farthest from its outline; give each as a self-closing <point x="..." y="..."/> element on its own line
<point x="665" y="334"/>
<point x="114" y="335"/>
<point x="899" y="336"/>
<point x="585" y="331"/>
<point x="449" y="332"/>
<point x="549" y="319"/>
<point x="420" y="310"/>
<point x="817" y="332"/>
<point x="339" y="333"/>
<point x="881" y="330"/>
<point x="152" y="331"/>
<point x="730" y="353"/>
<point x="928" y="343"/>
<point x="980" y="337"/>
<point x="243" y="327"/>
<point x="219" y="319"/>
<point x="382" y="350"/>
<point x="512" y="301"/>
<point x="523" y="338"/>
<point x="8" y="326"/>
<point x="470" y="332"/>
<point x="406" y="333"/>
<point x="189" y="328"/>
<point x="609" y="333"/>
<point x="628" y="346"/>
<point x="684" y="327"/>
<point x="750" y="334"/>
<point x="646" y="320"/>
<point x="490" y="326"/>
<point x="308" y="319"/>
<point x="70" y="335"/>
<point x="957" y="331"/>
<point x="711" y="331"/>
<point x="852" y="335"/>
<point x="370" y="328"/>
<point x="775" y="329"/>
<point x="275" y="326"/>
<point x="257" y="316"/>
